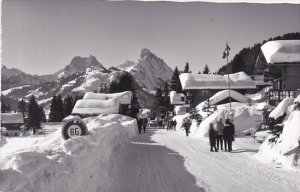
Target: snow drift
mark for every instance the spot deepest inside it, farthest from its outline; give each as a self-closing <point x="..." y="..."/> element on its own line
<point x="245" y="117"/>
<point x="52" y="164"/>
<point x="286" y="151"/>
<point x="281" y="108"/>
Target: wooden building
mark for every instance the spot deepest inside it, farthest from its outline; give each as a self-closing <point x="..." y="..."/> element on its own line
<point x="11" y="123"/>
<point x="283" y="59"/>
<point x="200" y="87"/>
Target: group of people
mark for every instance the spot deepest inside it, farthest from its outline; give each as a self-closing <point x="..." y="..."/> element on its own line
<point x="220" y="132"/>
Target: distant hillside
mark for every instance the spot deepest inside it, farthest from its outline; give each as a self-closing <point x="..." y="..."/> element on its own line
<point x="251" y="60"/>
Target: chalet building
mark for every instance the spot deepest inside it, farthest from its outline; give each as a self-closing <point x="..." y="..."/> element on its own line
<point x="178" y="100"/>
<point x="94" y="104"/>
<point x="200" y="87"/>
<point x="11" y="123"/>
<point x="283" y="61"/>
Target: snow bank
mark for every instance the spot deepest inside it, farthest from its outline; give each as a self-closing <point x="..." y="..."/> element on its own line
<point x="53" y="164"/>
<point x="282" y="51"/>
<point x="281" y="108"/>
<point x="245" y="117"/>
<point x="286" y="151"/>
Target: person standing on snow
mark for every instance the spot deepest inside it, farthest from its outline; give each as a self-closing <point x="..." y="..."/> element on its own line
<point x="187" y="124"/>
<point x="228" y="135"/>
<point x="140" y="124"/>
<point x="145" y="121"/>
<point x="219" y="138"/>
<point x="212" y="137"/>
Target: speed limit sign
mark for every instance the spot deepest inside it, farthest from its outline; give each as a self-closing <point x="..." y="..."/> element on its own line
<point x="73" y="128"/>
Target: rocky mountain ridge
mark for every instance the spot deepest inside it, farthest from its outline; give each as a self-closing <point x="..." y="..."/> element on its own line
<point x="84" y="74"/>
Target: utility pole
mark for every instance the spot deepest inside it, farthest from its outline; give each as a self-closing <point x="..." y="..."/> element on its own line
<point x="226" y="54"/>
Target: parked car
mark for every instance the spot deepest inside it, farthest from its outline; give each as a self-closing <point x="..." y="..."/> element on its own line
<point x="152" y="123"/>
<point x="262" y="133"/>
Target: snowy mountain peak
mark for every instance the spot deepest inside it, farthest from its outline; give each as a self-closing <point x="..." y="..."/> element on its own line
<point x="150" y="71"/>
<point x="80" y="64"/>
<point x="145" y="52"/>
<point x="127" y="65"/>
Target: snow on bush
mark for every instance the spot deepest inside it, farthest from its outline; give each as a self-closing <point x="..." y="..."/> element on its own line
<point x="286" y="150"/>
<point x="53" y="164"/>
<point x="281" y="108"/>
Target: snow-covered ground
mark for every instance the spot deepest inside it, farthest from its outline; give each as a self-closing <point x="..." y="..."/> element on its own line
<point x="229" y="172"/>
<point x="49" y="163"/>
<point x="112" y="152"/>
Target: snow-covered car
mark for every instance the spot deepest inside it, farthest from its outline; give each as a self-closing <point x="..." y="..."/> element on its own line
<point x="262" y="133"/>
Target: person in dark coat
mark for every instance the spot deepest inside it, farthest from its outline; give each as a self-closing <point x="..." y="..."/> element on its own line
<point x="187" y="124"/>
<point x="140" y="124"/>
<point x="145" y="121"/>
<point x="212" y="137"/>
<point x="228" y="135"/>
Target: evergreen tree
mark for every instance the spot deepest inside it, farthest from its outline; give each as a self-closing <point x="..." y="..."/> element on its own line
<point x="125" y="83"/>
<point x="34" y="115"/>
<point x="175" y="82"/>
<point x="166" y="99"/>
<point x="187" y="68"/>
<point x="22" y="107"/>
<point x="206" y="70"/>
<point x="135" y="106"/>
<point x="60" y="109"/>
<point x="68" y="105"/>
<point x="238" y="64"/>
<point x="113" y="88"/>
<point x="199" y="72"/>
<point x="105" y="88"/>
<point x="158" y="100"/>
<point x="4" y="107"/>
<point x="53" y="110"/>
<point x="42" y="115"/>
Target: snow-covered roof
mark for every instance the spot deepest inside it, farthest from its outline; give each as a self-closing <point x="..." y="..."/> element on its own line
<point x="282" y="51"/>
<point x="177" y="98"/>
<point x="12" y="118"/>
<point x="238" y="80"/>
<point x="93" y="106"/>
<point x="221" y="95"/>
<point x="123" y="97"/>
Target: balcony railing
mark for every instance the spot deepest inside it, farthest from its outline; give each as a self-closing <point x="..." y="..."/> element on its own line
<point x="277" y="95"/>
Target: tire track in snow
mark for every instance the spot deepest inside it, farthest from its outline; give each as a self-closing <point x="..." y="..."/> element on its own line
<point x="144" y="166"/>
<point x="232" y="172"/>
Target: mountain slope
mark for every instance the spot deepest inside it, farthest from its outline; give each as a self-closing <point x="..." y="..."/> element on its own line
<point x="149" y="71"/>
<point x="250" y="59"/>
<point x="14" y="77"/>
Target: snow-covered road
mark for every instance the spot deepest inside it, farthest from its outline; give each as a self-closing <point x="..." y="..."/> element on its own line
<point x="145" y="166"/>
<point x="232" y="172"/>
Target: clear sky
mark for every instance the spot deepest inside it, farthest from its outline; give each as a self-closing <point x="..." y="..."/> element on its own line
<point x="41" y="37"/>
